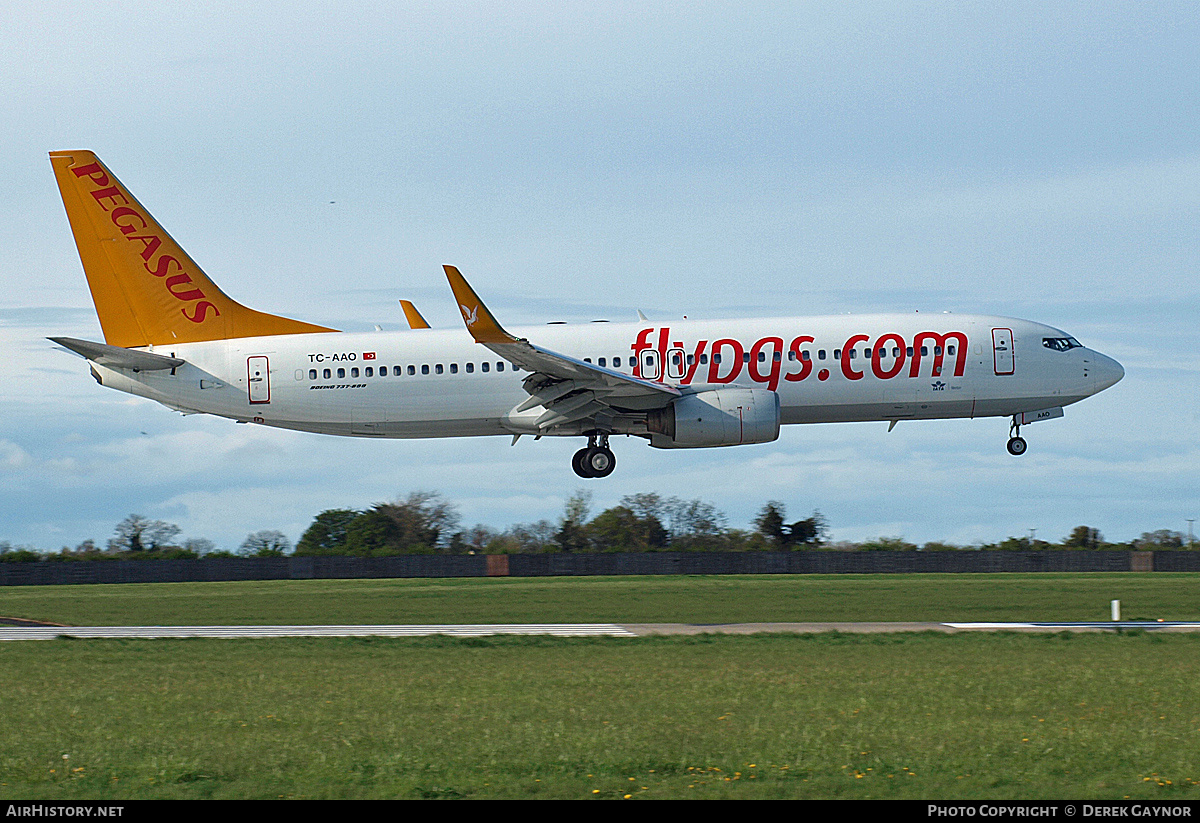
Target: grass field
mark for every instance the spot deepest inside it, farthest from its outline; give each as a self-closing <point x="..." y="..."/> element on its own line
<point x="650" y="599"/>
<point x="817" y="716"/>
<point x="997" y="716"/>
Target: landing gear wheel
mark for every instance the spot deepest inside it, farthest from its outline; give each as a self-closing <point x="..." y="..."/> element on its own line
<point x="596" y="458"/>
<point x="1016" y="443"/>
<point x="579" y="463"/>
<point x="599" y="461"/>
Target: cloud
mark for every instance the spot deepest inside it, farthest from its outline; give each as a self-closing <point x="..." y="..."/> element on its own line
<point x="12" y="456"/>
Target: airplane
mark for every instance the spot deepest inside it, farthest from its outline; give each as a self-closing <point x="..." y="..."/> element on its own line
<point x="172" y="336"/>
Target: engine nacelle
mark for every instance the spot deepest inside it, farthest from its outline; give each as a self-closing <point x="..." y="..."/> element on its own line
<point x="718" y="417"/>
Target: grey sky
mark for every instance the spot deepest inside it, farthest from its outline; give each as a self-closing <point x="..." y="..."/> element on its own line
<point x="324" y="159"/>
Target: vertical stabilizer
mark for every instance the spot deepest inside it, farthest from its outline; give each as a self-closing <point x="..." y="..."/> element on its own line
<point x="146" y="289"/>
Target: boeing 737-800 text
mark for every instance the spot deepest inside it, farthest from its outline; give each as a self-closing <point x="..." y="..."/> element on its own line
<point x="171" y="335"/>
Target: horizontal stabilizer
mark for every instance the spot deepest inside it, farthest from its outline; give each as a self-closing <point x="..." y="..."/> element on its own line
<point x="117" y="357"/>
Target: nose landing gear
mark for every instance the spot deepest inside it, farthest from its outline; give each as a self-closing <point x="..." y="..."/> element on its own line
<point x="1016" y="443"/>
<point x="596" y="459"/>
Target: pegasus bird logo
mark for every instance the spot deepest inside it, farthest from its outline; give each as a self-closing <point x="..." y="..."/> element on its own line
<point x="470" y="315"/>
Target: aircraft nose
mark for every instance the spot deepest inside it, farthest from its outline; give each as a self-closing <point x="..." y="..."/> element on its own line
<point x="1108" y="371"/>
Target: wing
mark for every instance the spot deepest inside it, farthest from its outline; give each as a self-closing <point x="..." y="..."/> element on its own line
<point x="573" y="394"/>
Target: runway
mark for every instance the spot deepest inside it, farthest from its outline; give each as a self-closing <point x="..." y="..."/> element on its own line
<point x="47" y="632"/>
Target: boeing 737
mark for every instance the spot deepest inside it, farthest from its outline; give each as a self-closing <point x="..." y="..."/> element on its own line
<point x="171" y="335"/>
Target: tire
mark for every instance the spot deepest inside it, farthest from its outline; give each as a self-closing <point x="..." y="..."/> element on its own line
<point x="1017" y="446"/>
<point x="579" y="463"/>
<point x="600" y="462"/>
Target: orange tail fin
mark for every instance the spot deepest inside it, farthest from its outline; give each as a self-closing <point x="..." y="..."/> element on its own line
<point x="146" y="289"/>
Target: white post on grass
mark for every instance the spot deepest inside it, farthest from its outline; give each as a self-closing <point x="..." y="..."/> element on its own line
<point x="1116" y="611"/>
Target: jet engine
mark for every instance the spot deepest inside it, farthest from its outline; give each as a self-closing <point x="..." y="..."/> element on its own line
<point x="716" y="417"/>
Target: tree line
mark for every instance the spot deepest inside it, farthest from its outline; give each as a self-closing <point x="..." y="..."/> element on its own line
<point x="140" y="538"/>
<point x="427" y="523"/>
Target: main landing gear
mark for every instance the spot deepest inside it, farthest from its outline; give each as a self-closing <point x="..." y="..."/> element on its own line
<point x="596" y="459"/>
<point x="1016" y="443"/>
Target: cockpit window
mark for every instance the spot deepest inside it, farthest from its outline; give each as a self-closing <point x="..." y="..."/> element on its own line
<point x="1061" y="343"/>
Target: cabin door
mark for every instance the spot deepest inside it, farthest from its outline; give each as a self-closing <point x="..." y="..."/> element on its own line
<point x="258" y="379"/>
<point x="1002" y="351"/>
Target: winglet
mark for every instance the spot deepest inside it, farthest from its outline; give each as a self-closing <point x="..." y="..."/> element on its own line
<point x="415" y="320"/>
<point x="480" y="322"/>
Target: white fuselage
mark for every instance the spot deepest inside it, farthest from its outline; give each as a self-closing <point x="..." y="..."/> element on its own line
<point x="440" y="383"/>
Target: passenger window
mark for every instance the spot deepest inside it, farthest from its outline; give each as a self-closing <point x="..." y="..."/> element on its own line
<point x="837" y="354"/>
<point x="368" y="372"/>
<point x="704" y="360"/>
<point x="483" y="366"/>
<point x="438" y="368"/>
<point x="601" y="362"/>
<point x="395" y="371"/>
<point x="470" y="368"/>
<point x="312" y="374"/>
<point x="950" y="350"/>
<point x="341" y="373"/>
<point x="806" y="356"/>
<point x="425" y="369"/>
<point x="454" y="368"/>
<point x="821" y="354"/>
<point x="327" y="374"/>
<point x="499" y="367"/>
<point x="412" y="369"/>
<point x="354" y="372"/>
<point x="746" y="356"/>
<point x="908" y="350"/>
